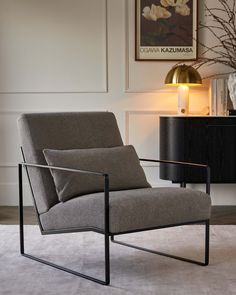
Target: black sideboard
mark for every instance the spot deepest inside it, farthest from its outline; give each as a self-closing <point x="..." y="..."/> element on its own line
<point x="205" y="140"/>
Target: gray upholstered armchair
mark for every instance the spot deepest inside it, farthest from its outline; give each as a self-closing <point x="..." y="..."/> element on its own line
<point x="83" y="178"/>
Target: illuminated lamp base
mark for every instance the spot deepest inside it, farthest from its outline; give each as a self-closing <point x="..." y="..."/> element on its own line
<point x="183" y="100"/>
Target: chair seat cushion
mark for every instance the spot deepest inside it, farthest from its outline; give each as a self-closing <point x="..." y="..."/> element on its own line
<point x="121" y="163"/>
<point x="130" y="209"/>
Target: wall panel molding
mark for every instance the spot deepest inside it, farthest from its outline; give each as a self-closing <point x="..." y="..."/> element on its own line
<point x="128" y="113"/>
<point x="8" y="165"/>
<point x="104" y="88"/>
<point x="140" y="113"/>
<point x="9" y="194"/>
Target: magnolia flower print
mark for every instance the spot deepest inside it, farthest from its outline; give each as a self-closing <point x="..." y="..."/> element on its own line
<point x="167" y="3"/>
<point x="182" y="7"/>
<point x="183" y="10"/>
<point x="156" y="11"/>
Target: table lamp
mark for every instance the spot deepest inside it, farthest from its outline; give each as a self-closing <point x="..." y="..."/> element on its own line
<point x="183" y="76"/>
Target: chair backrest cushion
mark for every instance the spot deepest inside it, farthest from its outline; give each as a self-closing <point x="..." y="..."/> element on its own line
<point x="62" y="131"/>
<point x="120" y="163"/>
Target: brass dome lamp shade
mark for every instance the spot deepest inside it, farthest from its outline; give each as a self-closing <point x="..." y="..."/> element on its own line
<point x="183" y="76"/>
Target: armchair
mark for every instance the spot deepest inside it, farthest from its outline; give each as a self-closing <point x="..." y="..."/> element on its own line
<point x="111" y="201"/>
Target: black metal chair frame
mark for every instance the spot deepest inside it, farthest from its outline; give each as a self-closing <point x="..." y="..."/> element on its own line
<point x="106" y="232"/>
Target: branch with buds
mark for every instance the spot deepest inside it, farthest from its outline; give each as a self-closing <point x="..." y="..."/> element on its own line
<point x="223" y="28"/>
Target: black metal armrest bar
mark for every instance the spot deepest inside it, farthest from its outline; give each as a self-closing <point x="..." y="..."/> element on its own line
<point x="175" y="162"/>
<point x="64" y="169"/>
<point x="208" y="170"/>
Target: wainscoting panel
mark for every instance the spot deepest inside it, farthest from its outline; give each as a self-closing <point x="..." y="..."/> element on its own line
<point x="9" y="194"/>
<point x="53" y="46"/>
<point x="142" y="131"/>
<point x="9" y="143"/>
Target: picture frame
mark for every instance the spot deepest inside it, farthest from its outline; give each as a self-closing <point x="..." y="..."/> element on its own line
<point x="165" y="31"/>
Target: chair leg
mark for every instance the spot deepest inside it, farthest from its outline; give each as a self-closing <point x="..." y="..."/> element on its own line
<point x="206" y="260"/>
<point x="21" y="212"/>
<point x="21" y="223"/>
<point x="207" y="241"/>
<point x="107" y="259"/>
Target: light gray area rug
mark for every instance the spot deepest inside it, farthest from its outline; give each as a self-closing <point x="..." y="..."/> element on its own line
<point x="132" y="271"/>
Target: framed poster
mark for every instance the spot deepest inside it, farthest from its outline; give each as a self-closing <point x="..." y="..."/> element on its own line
<point x="166" y="30"/>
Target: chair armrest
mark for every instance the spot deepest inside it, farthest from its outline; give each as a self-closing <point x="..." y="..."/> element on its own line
<point x="63" y="169"/>
<point x="194" y="165"/>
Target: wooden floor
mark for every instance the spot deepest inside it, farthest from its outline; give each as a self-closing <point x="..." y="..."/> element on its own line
<point x="220" y="215"/>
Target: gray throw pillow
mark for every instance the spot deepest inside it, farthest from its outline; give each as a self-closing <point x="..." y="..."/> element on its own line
<point x="121" y="163"/>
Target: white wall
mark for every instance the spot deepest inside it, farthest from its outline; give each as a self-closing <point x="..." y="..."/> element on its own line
<point x="77" y="55"/>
